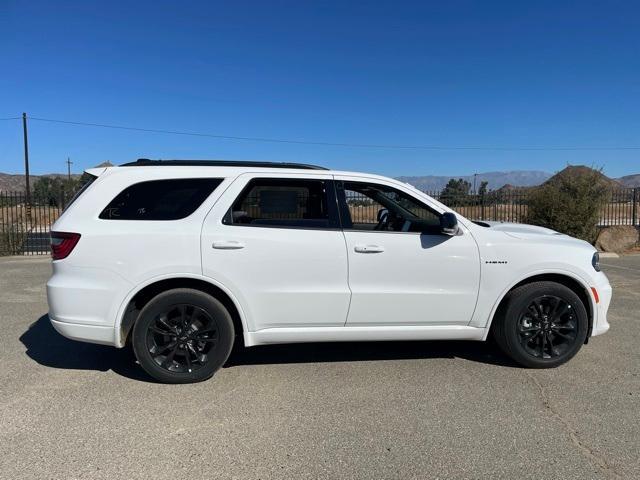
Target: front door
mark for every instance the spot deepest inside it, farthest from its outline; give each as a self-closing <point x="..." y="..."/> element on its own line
<point x="274" y="241"/>
<point x="402" y="270"/>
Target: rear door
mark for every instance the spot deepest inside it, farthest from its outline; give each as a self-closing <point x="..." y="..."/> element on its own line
<point x="274" y="240"/>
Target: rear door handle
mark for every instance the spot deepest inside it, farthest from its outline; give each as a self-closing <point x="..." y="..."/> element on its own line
<point x="227" y="245"/>
<point x="369" y="249"/>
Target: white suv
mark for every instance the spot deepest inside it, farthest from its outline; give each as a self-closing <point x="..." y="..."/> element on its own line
<point x="181" y="258"/>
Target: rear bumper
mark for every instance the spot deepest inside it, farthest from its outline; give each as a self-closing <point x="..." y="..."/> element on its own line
<point x="83" y="302"/>
<point x="85" y="333"/>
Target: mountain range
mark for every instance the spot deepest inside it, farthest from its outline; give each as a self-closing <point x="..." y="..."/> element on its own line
<point x="10" y="182"/>
<point x="630" y="180"/>
<point x="515" y="178"/>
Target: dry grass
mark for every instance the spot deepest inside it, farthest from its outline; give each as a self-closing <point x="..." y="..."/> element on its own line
<point x="41" y="217"/>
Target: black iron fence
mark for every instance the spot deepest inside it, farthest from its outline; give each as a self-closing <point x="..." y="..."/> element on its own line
<point x="25" y="226"/>
<point x="621" y="208"/>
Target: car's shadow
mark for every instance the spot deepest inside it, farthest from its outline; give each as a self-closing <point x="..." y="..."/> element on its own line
<point x="47" y="347"/>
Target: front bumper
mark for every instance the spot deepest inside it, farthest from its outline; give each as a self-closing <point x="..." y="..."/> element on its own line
<point x="600" y="323"/>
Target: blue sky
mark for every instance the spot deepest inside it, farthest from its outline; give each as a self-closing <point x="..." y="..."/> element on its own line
<point x="453" y="74"/>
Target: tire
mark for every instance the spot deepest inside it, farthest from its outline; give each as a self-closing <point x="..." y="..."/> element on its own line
<point x="541" y="325"/>
<point x="183" y="336"/>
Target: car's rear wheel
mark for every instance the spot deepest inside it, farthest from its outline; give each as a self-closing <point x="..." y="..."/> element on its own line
<point x="183" y="336"/>
<point x="541" y="324"/>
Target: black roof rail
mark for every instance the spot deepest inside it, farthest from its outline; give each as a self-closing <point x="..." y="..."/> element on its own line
<point x="144" y="162"/>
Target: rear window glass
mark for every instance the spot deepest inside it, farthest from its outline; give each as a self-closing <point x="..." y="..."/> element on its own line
<point x="292" y="203"/>
<point x="160" y="199"/>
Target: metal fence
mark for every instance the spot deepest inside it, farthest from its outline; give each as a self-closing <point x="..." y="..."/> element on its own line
<point x="621" y="208"/>
<point x="25" y="226"/>
<point x="500" y="206"/>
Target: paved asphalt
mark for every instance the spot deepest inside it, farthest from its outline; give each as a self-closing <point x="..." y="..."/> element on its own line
<point x="395" y="410"/>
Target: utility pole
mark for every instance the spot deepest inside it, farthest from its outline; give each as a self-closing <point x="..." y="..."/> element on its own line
<point x="26" y="164"/>
<point x="69" y="162"/>
<point x="474" y="183"/>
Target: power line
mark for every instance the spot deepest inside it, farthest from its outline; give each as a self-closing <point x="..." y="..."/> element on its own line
<point x="10" y="118"/>
<point x="336" y="144"/>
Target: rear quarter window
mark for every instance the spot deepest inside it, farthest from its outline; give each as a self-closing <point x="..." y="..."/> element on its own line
<point x="86" y="179"/>
<point x="160" y="199"/>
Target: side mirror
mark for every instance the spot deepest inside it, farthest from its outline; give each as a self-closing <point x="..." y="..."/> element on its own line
<point x="449" y="224"/>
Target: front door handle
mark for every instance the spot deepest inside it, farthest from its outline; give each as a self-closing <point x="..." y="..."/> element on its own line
<point x="227" y="245"/>
<point x="369" y="249"/>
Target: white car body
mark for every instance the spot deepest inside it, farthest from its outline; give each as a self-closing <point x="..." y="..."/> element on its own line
<point x="304" y="285"/>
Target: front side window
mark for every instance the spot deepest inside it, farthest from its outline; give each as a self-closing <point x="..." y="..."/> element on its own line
<point x="375" y="207"/>
<point x="276" y="202"/>
<point x="160" y="199"/>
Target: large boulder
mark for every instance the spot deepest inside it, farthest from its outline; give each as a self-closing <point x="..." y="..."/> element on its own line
<point x="617" y="239"/>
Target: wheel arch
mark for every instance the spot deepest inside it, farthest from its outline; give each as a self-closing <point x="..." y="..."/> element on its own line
<point x="576" y="284"/>
<point x="140" y="297"/>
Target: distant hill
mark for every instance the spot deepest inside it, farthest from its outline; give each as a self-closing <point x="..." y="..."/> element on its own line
<point x="578" y="170"/>
<point x="630" y="180"/>
<point x="16" y="183"/>
<point x="516" y="178"/>
<point x="11" y="183"/>
<point x="104" y="164"/>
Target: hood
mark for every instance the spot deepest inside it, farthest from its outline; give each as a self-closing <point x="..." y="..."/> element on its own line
<point x="532" y="232"/>
<point x="520" y="230"/>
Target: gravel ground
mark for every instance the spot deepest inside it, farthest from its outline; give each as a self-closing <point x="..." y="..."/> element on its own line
<point x="371" y="410"/>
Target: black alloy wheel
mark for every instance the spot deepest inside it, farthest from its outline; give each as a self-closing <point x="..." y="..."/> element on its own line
<point x="183" y="336"/>
<point x="180" y="338"/>
<point x="541" y="324"/>
<point x="548" y="327"/>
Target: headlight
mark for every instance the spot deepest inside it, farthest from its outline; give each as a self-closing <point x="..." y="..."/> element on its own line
<point x="595" y="261"/>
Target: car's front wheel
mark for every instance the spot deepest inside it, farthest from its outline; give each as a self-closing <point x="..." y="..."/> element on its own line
<point x="183" y="336"/>
<point x="541" y="324"/>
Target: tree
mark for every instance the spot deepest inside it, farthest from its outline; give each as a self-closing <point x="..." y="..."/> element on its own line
<point x="570" y="202"/>
<point x="54" y="191"/>
<point x="482" y="191"/>
<point x="455" y="192"/>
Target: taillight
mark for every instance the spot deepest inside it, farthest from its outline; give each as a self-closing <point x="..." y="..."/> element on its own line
<point x="62" y="243"/>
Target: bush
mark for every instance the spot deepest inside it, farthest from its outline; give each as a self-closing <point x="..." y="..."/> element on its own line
<point x="55" y="191"/>
<point x="11" y="240"/>
<point x="570" y="202"/>
<point x="455" y="193"/>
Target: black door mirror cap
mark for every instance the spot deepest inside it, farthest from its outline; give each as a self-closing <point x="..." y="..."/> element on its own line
<point x="449" y="224"/>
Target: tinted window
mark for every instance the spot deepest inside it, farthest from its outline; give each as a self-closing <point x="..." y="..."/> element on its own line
<point x="160" y="199"/>
<point x="372" y="206"/>
<point x="87" y="180"/>
<point x="284" y="203"/>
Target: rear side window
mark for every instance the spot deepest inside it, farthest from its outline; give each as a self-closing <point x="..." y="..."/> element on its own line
<point x="160" y="199"/>
<point x="86" y="179"/>
<point x="293" y="203"/>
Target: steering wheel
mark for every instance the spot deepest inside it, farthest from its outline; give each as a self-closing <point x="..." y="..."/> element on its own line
<point x="383" y="220"/>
